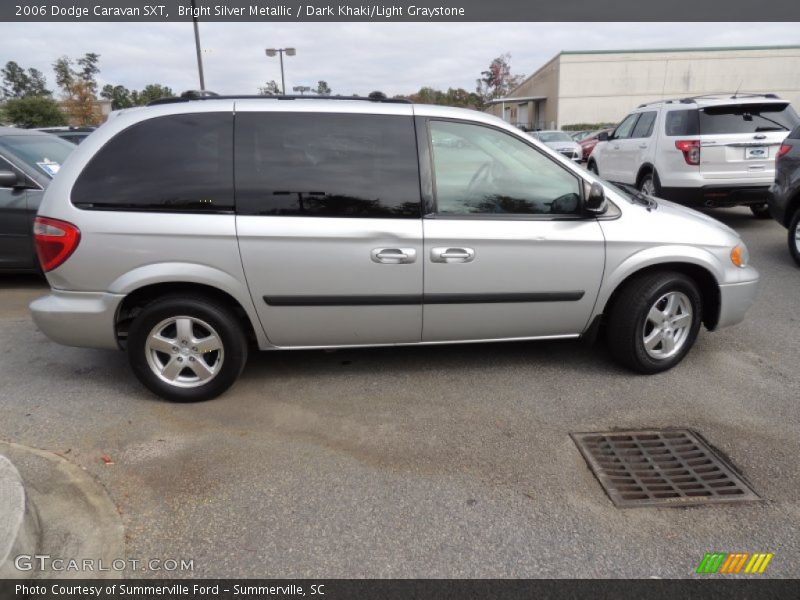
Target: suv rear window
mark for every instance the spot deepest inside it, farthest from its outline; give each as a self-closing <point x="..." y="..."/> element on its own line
<point x="747" y="118"/>
<point x="326" y="165"/>
<point x="175" y="163"/>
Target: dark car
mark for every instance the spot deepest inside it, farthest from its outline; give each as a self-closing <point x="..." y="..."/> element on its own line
<point x="784" y="205"/>
<point x="74" y="135"/>
<point x="589" y="142"/>
<point x="28" y="161"/>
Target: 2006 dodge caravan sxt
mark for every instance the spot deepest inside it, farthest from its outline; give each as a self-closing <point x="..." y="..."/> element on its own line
<point x="190" y="231"/>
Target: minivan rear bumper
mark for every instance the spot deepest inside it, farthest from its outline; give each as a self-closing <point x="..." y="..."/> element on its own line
<point x="78" y="318"/>
<point x="717" y="195"/>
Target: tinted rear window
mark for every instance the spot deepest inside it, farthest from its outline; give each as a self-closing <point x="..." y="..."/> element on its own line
<point x="682" y="122"/>
<point x="326" y="165"/>
<point x="172" y="163"/>
<point x="747" y="118"/>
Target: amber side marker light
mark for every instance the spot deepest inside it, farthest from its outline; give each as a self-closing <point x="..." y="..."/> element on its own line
<point x="739" y="256"/>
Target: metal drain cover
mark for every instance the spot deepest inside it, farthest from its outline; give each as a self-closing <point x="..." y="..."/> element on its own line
<point x="672" y="467"/>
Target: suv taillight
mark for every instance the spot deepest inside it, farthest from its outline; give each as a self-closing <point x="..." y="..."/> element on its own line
<point x="784" y="149"/>
<point x="55" y="241"/>
<point x="690" y="149"/>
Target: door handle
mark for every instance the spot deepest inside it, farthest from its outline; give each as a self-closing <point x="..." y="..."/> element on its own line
<point x="447" y="254"/>
<point x="616" y="146"/>
<point x="394" y="256"/>
<point x="642" y="146"/>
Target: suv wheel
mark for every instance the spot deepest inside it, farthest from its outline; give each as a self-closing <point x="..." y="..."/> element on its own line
<point x="760" y="211"/>
<point x="592" y="166"/>
<point x="648" y="184"/>
<point x="186" y="350"/>
<point x="794" y="237"/>
<point x="654" y="321"/>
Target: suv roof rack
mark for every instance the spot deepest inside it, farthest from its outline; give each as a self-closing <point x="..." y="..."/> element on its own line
<point x="718" y="95"/>
<point x="192" y="95"/>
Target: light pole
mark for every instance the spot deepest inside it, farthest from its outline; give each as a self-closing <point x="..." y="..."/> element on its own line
<point x="280" y="51"/>
<point x="302" y="89"/>
<point x="197" y="47"/>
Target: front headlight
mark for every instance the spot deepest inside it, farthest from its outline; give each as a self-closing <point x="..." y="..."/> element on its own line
<point x="740" y="255"/>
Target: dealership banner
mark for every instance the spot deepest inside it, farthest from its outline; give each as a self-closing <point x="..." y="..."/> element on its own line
<point x="399" y="10"/>
<point x="397" y="589"/>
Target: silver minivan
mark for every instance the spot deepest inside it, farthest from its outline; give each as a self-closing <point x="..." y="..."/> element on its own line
<point x="189" y="232"/>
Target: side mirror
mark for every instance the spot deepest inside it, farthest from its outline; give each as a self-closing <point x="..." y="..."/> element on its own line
<point x="603" y="136"/>
<point x="596" y="200"/>
<point x="9" y="179"/>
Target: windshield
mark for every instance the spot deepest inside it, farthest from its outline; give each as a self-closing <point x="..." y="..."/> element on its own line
<point x="553" y="136"/>
<point x="748" y="118"/>
<point x="43" y="153"/>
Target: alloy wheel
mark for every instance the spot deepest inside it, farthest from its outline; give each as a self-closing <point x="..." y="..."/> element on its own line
<point x="184" y="351"/>
<point x="667" y="325"/>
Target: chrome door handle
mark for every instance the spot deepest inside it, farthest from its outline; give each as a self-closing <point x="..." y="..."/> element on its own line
<point x="447" y="254"/>
<point x="394" y="256"/>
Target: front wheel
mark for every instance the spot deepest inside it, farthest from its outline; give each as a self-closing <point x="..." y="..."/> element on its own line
<point x="760" y="211"/>
<point x="654" y="321"/>
<point x="186" y="350"/>
<point x="794" y="237"/>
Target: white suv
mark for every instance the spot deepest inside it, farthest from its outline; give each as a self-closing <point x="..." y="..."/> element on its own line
<point x="702" y="151"/>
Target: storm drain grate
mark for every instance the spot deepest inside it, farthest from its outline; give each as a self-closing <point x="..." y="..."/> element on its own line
<point x="660" y="468"/>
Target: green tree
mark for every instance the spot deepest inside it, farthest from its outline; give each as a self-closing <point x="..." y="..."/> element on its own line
<point x="152" y="91"/>
<point x="19" y="83"/>
<point x="271" y="88"/>
<point x="34" y="111"/>
<point x="323" y="89"/>
<point x="119" y="95"/>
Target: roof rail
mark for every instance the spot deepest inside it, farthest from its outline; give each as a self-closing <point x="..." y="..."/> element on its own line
<point x="192" y="95"/>
<point x="720" y="95"/>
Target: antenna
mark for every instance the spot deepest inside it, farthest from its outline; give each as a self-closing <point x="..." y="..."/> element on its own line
<point x="736" y="93"/>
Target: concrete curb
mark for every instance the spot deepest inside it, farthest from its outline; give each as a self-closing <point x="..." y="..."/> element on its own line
<point x="74" y="517"/>
<point x="19" y="524"/>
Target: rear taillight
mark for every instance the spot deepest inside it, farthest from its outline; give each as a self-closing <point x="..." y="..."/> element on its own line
<point x="690" y="149"/>
<point x="784" y="149"/>
<point x="55" y="241"/>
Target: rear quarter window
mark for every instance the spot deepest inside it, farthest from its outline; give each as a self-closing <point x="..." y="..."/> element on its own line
<point x="682" y="122"/>
<point x="175" y="163"/>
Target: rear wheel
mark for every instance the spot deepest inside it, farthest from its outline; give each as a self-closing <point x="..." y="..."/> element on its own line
<point x="648" y="184"/>
<point x="654" y="321"/>
<point x="592" y="166"/>
<point x="794" y="237"/>
<point x="186" y="350"/>
<point x="760" y="211"/>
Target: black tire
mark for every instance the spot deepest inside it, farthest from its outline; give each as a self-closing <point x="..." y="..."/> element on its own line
<point x="650" y="177"/>
<point x="592" y="166"/>
<point x="794" y="237"/>
<point x="627" y="320"/>
<point x="219" y="317"/>
<point x="760" y="211"/>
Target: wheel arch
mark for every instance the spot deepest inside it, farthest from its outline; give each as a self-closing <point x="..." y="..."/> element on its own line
<point x="702" y="275"/>
<point x="643" y="170"/>
<point x="791" y="208"/>
<point x="146" y="284"/>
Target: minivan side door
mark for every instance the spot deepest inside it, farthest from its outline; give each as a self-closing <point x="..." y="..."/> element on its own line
<point x="329" y="223"/>
<point x="508" y="252"/>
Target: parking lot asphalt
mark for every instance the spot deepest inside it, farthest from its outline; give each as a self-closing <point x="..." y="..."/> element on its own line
<point x="445" y="461"/>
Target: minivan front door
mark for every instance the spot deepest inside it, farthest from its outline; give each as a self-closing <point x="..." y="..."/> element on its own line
<point x="328" y="220"/>
<point x="508" y="253"/>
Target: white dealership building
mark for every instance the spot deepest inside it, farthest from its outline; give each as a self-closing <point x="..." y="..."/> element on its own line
<point x="603" y="86"/>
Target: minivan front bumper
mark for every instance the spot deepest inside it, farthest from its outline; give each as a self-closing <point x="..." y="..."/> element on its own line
<point x="735" y="299"/>
<point x="78" y="318"/>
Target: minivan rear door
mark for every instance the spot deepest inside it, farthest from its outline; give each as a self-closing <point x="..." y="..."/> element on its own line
<point x="329" y="221"/>
<point x="740" y="141"/>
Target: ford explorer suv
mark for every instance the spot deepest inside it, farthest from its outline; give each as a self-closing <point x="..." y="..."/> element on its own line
<point x="711" y="151"/>
<point x="190" y="232"/>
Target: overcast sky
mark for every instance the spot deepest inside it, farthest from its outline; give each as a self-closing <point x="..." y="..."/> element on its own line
<point x="351" y="57"/>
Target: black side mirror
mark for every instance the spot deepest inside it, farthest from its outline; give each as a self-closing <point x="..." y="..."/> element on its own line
<point x="596" y="200"/>
<point x="9" y="179"/>
<point x="603" y="136"/>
